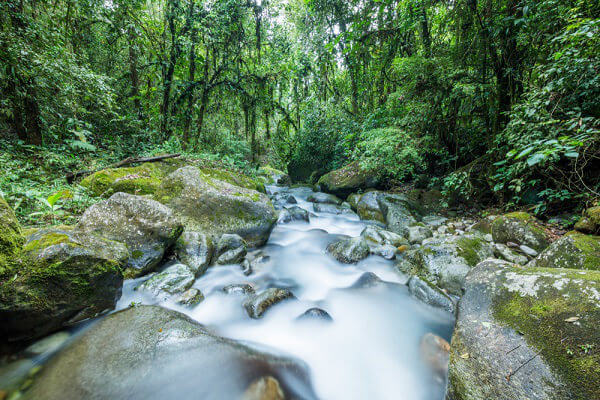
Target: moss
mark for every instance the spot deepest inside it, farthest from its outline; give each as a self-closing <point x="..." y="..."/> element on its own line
<point x="561" y="294"/>
<point x="143" y="179"/>
<point x="236" y="179"/>
<point x="469" y="248"/>
<point x="47" y="240"/>
<point x="522" y="228"/>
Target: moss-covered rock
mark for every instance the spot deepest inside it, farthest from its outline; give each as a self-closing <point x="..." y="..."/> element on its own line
<point x="271" y="176"/>
<point x="353" y="200"/>
<point x="348" y="179"/>
<point x="399" y="212"/>
<point x="196" y="250"/>
<point x="11" y="237"/>
<point x="590" y="221"/>
<point x="368" y="207"/>
<point x="141" y="180"/>
<point x="175" y="279"/>
<point x="63" y="276"/>
<point x="216" y="207"/>
<point x="349" y="251"/>
<point x="445" y="261"/>
<point x="233" y="178"/>
<point x="526" y="333"/>
<point x="520" y="228"/>
<point x="151" y="352"/>
<point x="146" y="227"/>
<point x="574" y="250"/>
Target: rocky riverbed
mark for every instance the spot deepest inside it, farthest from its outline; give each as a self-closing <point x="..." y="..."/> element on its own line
<point x="184" y="282"/>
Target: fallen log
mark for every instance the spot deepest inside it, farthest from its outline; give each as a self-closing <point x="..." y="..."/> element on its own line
<point x="71" y="176"/>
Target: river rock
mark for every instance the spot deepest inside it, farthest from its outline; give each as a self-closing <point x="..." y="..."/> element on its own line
<point x="293" y="214"/>
<point x="521" y="228"/>
<point x="64" y="276"/>
<point x="231" y="249"/>
<point x="445" y="260"/>
<point x="281" y="200"/>
<point x="435" y="351"/>
<point x="417" y="233"/>
<point x="240" y="288"/>
<point x="590" y="221"/>
<point x="190" y="297"/>
<point x="330" y="208"/>
<point x="315" y="314"/>
<point x="367" y="280"/>
<point x="175" y="279"/>
<point x="49" y="344"/>
<point x="526" y="333"/>
<point x="504" y="252"/>
<point x="195" y="249"/>
<point x="351" y="178"/>
<point x="324" y="198"/>
<point x="574" y="250"/>
<point x="368" y="207"/>
<point x="216" y="207"/>
<point x="399" y="212"/>
<point x="258" y="304"/>
<point x="430" y="294"/>
<point x="265" y="388"/>
<point x="145" y="226"/>
<point x="349" y="251"/>
<point x="434" y="221"/>
<point x="375" y="235"/>
<point x="353" y="200"/>
<point x="148" y="352"/>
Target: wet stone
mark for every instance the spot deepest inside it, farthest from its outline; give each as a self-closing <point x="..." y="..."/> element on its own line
<point x="239" y="289"/>
<point x="257" y="305"/>
<point x="315" y="314"/>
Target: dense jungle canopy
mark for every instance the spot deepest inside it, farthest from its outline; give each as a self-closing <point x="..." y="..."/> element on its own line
<point x="491" y="101"/>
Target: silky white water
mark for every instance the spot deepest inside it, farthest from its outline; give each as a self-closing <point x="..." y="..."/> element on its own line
<point x="369" y="351"/>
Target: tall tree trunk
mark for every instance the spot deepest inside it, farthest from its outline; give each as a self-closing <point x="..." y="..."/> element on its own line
<point x="191" y="97"/>
<point x="133" y="71"/>
<point x="425" y="34"/>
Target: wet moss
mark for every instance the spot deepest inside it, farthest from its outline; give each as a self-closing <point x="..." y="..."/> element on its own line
<point x="572" y="350"/>
<point x="470" y="249"/>
<point x="47" y="240"/>
<point x="141" y="180"/>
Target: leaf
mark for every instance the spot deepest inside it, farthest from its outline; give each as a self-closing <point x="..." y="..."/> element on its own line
<point x="572" y="154"/>
<point x="525" y="152"/>
<point x="465" y="356"/>
<point x="536" y="159"/>
<point x="572" y="320"/>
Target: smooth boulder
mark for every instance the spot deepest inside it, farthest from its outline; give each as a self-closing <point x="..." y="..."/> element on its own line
<point x="148" y="352"/>
<point x="258" y="304"/>
<point x="526" y="333"/>
<point x="590" y="221"/>
<point x="324" y="198"/>
<point x="348" y="179"/>
<point x="175" y="279"/>
<point x="64" y="276"/>
<point x="146" y="227"/>
<point x="429" y="294"/>
<point x="349" y="251"/>
<point x="293" y="214"/>
<point x="368" y="207"/>
<point x="398" y="212"/>
<point x="196" y="250"/>
<point x="231" y="249"/>
<point x="216" y="207"/>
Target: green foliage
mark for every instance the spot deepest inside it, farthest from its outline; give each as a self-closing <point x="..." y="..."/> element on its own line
<point x="391" y="152"/>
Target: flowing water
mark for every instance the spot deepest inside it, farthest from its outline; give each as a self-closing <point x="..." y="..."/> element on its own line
<point x="369" y="351"/>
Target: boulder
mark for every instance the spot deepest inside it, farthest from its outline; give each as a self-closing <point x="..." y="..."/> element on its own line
<point x="64" y="276"/>
<point x="445" y="260"/>
<point x="258" y="304"/>
<point x="349" y="251"/>
<point x="353" y="200"/>
<point x="190" y="297"/>
<point x="435" y="351"/>
<point x="521" y="228"/>
<point x="175" y="279"/>
<point x="231" y="249"/>
<point x="315" y="314"/>
<point x="216" y="207"/>
<point x="574" y="250"/>
<point x="265" y="388"/>
<point x="526" y="333"/>
<point x="375" y="235"/>
<point x="233" y="178"/>
<point x="434" y="221"/>
<point x="348" y="179"/>
<point x="590" y="221"/>
<point x="368" y="207"/>
<point x="504" y="252"/>
<point x="271" y="176"/>
<point x="324" y="198"/>
<point x="331" y="209"/>
<point x="282" y="199"/>
<point x="429" y="294"/>
<point x="195" y="249"/>
<point x="147" y="228"/>
<point x="148" y="352"/>
<point x="399" y="212"/>
<point x="417" y="233"/>
<point x="140" y="180"/>
<point x="293" y="214"/>
<point x="367" y="280"/>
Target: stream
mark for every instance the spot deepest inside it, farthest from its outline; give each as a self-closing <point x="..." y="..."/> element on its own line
<point x="369" y="351"/>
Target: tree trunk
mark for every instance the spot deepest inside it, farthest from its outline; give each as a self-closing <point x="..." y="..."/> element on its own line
<point x="133" y="71"/>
